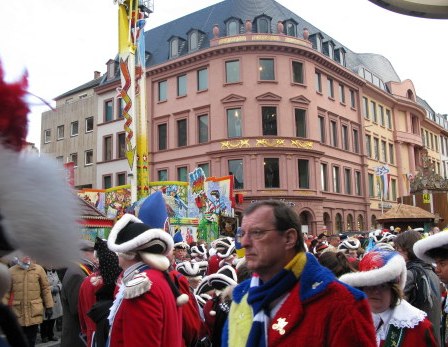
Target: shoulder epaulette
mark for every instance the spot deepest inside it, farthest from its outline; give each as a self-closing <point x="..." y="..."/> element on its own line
<point x="139" y="285"/>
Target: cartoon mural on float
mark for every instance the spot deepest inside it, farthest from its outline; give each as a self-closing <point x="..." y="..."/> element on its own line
<point x="118" y="199"/>
<point x="95" y="197"/>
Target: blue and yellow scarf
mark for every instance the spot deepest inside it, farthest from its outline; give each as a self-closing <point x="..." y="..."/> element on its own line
<point x="257" y="302"/>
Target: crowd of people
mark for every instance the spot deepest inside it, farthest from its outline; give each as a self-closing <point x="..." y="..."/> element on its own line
<point x="143" y="287"/>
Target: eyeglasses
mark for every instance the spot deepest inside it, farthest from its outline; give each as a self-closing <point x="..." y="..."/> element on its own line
<point x="255" y="234"/>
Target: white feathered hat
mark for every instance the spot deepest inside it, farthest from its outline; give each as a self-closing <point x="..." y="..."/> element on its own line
<point x="377" y="267"/>
<point x="421" y="247"/>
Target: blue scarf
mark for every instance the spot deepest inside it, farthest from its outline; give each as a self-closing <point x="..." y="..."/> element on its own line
<point x="262" y="295"/>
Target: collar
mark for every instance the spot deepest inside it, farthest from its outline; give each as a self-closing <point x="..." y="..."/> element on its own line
<point x="132" y="270"/>
<point x="406" y="316"/>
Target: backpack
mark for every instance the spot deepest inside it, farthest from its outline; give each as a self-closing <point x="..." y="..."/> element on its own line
<point x="421" y="294"/>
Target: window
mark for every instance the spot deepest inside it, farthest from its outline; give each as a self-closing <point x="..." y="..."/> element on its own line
<point x="336" y="180"/>
<point x="108" y="111"/>
<point x="291" y="29"/>
<point x="89" y="124"/>
<point x="342" y="93"/>
<point x="345" y="137"/>
<point x="271" y="173"/>
<point x="121" y="179"/>
<point x="304" y="176"/>
<point x="60" y="132"/>
<point x="330" y="88"/>
<point x="376" y="148"/>
<point x="383" y="151"/>
<point x="121" y="146"/>
<point x="162" y="136"/>
<point x="300" y="116"/>
<point x="382" y="120"/>
<point x="181" y="132"/>
<point x="120" y="107"/>
<point x="206" y="168"/>
<point x="107" y="148"/>
<point x="322" y="129"/>
<point x="269" y="120"/>
<point x="88" y="157"/>
<point x="202" y="79"/>
<point x="333" y="134"/>
<point x="74" y="158"/>
<point x="236" y="169"/>
<point x="358" y="185"/>
<point x="47" y="136"/>
<point x="232" y="71"/>
<point x="203" y="128"/>
<point x="318" y="81"/>
<point x="331" y="50"/>
<point x="174" y="48"/>
<point x="324" y="177"/>
<point x="373" y="111"/>
<point x="162" y="90"/>
<point x="389" y="119"/>
<point x="107" y="181"/>
<point x="348" y="181"/>
<point x="182" y="174"/>
<point x="355" y="141"/>
<point x="182" y="85"/>
<point x="234" y="122"/>
<point x="193" y="41"/>
<point x="371" y="186"/>
<point x="297" y="72"/>
<point x="369" y="146"/>
<point x="263" y="25"/>
<point x="352" y="99"/>
<point x="319" y="43"/>
<point x="232" y="28"/>
<point x="162" y="175"/>
<point x="266" y="67"/>
<point x="74" y="128"/>
<point x="391" y="154"/>
<point x="365" y="107"/>
<point x="393" y="188"/>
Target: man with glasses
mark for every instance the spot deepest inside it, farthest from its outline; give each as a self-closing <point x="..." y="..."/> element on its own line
<point x="290" y="298"/>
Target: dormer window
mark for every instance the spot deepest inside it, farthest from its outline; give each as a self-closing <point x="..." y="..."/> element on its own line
<point x="319" y="42"/>
<point x="193" y="41"/>
<point x="331" y="50"/>
<point x="290" y="28"/>
<point x="233" y="27"/>
<point x="339" y="55"/>
<point x="263" y="24"/>
<point x="174" y="47"/>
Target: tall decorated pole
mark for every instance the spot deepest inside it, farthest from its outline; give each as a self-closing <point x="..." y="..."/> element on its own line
<point x="132" y="16"/>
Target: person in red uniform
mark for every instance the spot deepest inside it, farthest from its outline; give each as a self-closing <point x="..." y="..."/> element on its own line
<point x="86" y="299"/>
<point x="147" y="307"/>
<point x="382" y="276"/>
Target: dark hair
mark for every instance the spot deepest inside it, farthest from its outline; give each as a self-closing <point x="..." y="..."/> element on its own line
<point x="406" y="242"/>
<point x="397" y="294"/>
<point x="337" y="262"/>
<point x="438" y="253"/>
<point x="285" y="218"/>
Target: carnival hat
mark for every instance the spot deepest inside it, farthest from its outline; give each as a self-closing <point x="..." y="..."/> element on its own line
<point x="190" y="269"/>
<point x="179" y="241"/>
<point x="225" y="246"/>
<point x="226" y="276"/>
<point x="153" y="211"/>
<point x="377" y="267"/>
<point x="130" y="234"/>
<point x="199" y="251"/>
<point x="349" y="243"/>
<point x="421" y="247"/>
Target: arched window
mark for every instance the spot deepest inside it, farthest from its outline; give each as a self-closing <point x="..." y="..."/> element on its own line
<point x="233" y="28"/>
<point x="193" y="41"/>
<point x="360" y="223"/>
<point x="327" y="221"/>
<point x="174" y="48"/>
<point x="263" y="25"/>
<point x="291" y="28"/>
<point x="373" y="220"/>
<point x="410" y="94"/>
<point x="350" y="222"/>
<point x="338" y="221"/>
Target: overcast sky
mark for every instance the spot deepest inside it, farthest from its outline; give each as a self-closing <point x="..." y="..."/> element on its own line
<point x="61" y="43"/>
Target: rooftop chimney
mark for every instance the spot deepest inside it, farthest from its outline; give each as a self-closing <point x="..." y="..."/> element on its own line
<point x="96" y="74"/>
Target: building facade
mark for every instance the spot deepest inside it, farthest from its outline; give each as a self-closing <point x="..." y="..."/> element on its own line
<point x="257" y="92"/>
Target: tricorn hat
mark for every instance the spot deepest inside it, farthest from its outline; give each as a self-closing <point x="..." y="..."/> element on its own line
<point x="225" y="277"/>
<point x="421" y="247"/>
<point x="377" y="267"/>
<point x="130" y="234"/>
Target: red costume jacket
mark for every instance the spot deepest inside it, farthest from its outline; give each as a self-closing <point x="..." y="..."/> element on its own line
<point x="86" y="299"/>
<point x="150" y="319"/>
<point x="419" y="336"/>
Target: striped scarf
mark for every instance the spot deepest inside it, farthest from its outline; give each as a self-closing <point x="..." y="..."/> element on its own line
<point x="262" y="295"/>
